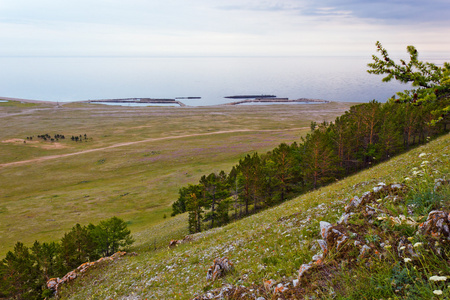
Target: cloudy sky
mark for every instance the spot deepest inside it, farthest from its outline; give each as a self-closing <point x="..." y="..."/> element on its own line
<point x="221" y="27"/>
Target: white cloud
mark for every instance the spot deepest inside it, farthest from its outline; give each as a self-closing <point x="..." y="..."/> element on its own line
<point x="209" y="27"/>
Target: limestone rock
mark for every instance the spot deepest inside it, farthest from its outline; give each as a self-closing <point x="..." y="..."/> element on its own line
<point x="324" y="227"/>
<point x="219" y="268"/>
<point x="54" y="283"/>
<point x="436" y="225"/>
<point x="303" y="269"/>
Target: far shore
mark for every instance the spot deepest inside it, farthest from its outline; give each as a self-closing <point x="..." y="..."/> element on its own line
<point x="246" y="101"/>
<point x="31" y="101"/>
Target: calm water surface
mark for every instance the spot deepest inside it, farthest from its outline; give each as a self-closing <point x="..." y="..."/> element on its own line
<point x="212" y="78"/>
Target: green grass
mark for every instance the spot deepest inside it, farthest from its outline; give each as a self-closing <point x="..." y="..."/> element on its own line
<point x="18" y="104"/>
<point x="273" y="245"/>
<point x="41" y="200"/>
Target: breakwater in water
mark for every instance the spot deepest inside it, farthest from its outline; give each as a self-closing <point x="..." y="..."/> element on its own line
<point x="277" y="100"/>
<point x="139" y="100"/>
<point x="262" y="99"/>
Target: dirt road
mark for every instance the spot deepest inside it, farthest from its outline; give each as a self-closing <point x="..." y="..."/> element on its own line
<point x="44" y="158"/>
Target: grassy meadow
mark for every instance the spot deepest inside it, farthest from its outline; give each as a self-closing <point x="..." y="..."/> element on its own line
<point x="275" y="243"/>
<point x="131" y="163"/>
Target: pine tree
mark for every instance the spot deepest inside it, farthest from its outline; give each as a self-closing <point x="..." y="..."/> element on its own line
<point x="319" y="159"/>
<point x="215" y="190"/>
<point x="110" y="236"/>
<point x="19" y="274"/>
<point x="77" y="247"/>
<point x="431" y="83"/>
<point x="195" y="205"/>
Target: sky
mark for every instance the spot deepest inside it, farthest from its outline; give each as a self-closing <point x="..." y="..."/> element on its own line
<point x="222" y="27"/>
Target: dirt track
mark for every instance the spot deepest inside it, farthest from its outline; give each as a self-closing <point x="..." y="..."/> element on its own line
<point x="44" y="158"/>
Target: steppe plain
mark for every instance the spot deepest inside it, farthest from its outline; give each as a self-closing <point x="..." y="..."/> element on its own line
<point x="130" y="164"/>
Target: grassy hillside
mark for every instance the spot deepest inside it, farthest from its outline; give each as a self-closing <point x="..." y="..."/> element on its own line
<point x="131" y="164"/>
<point x="274" y="244"/>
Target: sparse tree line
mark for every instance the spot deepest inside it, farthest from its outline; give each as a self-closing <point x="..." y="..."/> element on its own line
<point x="25" y="271"/>
<point x="363" y="136"/>
<point x="57" y="137"/>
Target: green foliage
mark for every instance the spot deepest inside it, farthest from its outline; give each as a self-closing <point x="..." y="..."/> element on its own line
<point x="431" y="82"/>
<point x="49" y="259"/>
<point x="24" y="272"/>
<point x="110" y="236"/>
<point x="19" y="274"/>
<point x="276" y="242"/>
<point x="191" y="200"/>
<point x="319" y="158"/>
<point x="77" y="246"/>
<point x="424" y="201"/>
<point x="215" y="193"/>
<point x="365" y="135"/>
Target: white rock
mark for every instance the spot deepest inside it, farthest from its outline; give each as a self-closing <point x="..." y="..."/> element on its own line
<point x="378" y="188"/>
<point x="324" y="227"/>
<point x="396" y="186"/>
<point x="303" y="269"/>
<point x="322" y="244"/>
<point x="317" y="257"/>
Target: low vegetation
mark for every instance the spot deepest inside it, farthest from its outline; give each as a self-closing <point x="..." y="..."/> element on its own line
<point x="362" y="137"/>
<point x="275" y="243"/>
<point x="25" y="271"/>
<point x="132" y="167"/>
<point x="380" y="233"/>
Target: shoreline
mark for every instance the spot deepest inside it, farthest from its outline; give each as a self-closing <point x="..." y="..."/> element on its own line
<point x="32" y="101"/>
<point x="181" y="104"/>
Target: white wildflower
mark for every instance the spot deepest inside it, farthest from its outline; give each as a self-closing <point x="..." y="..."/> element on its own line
<point x="402" y="248"/>
<point x="437" y="292"/>
<point x="422" y="154"/>
<point x="416" y="173"/>
<point x="418" y="244"/>
<point x="407" y="179"/>
<point x="407" y="259"/>
<point x="438" y="278"/>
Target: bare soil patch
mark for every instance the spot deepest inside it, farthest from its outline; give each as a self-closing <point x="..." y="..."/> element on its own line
<point x="14" y="141"/>
<point x="46" y="146"/>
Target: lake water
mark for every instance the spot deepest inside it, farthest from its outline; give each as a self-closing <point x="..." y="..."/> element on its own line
<point x="211" y="78"/>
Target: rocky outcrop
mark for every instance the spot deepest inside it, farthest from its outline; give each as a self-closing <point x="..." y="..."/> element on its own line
<point x="346" y="241"/>
<point x="55" y="283"/>
<point x="219" y="268"/>
<point x="358" y="237"/>
<point x="437" y="225"/>
<point x="174" y="243"/>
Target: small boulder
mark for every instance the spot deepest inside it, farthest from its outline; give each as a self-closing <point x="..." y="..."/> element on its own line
<point x="437" y="225"/>
<point x="219" y="268"/>
<point x="303" y="269"/>
<point x="174" y="243"/>
<point x="324" y="227"/>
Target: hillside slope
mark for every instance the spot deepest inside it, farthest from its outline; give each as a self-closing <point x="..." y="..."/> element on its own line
<point x="274" y="244"/>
